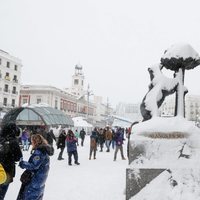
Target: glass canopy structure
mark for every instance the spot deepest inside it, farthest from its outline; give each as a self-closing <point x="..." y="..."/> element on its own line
<point x="37" y="115"/>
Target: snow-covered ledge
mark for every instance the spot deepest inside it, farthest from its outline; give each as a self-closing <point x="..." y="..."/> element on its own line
<point x="164" y="158"/>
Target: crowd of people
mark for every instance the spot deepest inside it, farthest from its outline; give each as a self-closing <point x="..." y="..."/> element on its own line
<point x="37" y="167"/>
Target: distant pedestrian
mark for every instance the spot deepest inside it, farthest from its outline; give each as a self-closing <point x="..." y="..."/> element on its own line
<point x="93" y="143"/>
<point x="82" y="136"/>
<point x="50" y="137"/>
<point x="25" y="140"/>
<point x="119" y="138"/>
<point x="72" y="147"/>
<point x="77" y="136"/>
<point x="61" y="143"/>
<point x="101" y="139"/>
<point x="108" y="138"/>
<point x="113" y="142"/>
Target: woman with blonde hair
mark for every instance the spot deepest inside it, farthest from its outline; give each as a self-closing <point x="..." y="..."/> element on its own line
<point x="37" y="168"/>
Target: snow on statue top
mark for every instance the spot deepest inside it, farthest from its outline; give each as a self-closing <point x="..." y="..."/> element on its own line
<point x="178" y="58"/>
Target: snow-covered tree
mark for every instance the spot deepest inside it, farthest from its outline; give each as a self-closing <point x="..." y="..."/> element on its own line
<point x="178" y="58"/>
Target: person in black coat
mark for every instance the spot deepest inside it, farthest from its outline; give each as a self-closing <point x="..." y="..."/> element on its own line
<point x="82" y="136"/>
<point x="10" y="132"/>
<point x="50" y="137"/>
<point x="101" y="138"/>
<point x="61" y="144"/>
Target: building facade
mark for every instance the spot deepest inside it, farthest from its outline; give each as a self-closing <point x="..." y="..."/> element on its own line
<point x="192" y="107"/>
<point x="55" y="98"/>
<point x="129" y="110"/>
<point x="10" y="78"/>
<point x="74" y="101"/>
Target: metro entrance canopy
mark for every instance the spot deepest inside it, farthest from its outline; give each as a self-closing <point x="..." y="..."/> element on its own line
<point x="37" y="114"/>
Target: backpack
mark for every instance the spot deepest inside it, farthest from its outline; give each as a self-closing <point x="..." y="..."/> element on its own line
<point x="3" y="175"/>
<point x="4" y="149"/>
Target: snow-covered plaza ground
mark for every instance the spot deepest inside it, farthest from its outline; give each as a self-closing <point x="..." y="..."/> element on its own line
<point x="100" y="179"/>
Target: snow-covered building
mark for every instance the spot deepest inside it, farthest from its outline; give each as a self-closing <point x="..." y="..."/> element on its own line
<point x="103" y="111"/>
<point x="192" y="107"/>
<point x="10" y="77"/>
<point x="129" y="110"/>
<point x="55" y="98"/>
<point x="74" y="101"/>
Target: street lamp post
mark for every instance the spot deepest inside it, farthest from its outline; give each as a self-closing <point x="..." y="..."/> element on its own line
<point x="89" y="93"/>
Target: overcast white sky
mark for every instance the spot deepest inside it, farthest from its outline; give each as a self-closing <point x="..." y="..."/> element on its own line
<point x="114" y="40"/>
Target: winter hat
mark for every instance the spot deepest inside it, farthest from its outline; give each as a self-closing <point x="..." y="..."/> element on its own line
<point x="10" y="129"/>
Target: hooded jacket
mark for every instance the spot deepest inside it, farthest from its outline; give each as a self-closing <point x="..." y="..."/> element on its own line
<point x="38" y="163"/>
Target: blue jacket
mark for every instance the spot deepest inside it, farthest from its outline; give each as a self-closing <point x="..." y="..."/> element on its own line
<point x="119" y="138"/>
<point x="94" y="135"/>
<point x="24" y="136"/>
<point x="39" y="164"/>
<point x="71" y="144"/>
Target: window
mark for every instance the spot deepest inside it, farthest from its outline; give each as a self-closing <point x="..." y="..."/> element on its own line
<point x="15" y="78"/>
<point x="15" y="67"/>
<point x="8" y="64"/>
<point x="56" y="104"/>
<point x="14" y="90"/>
<point x="5" y="101"/>
<point x="39" y="100"/>
<point x="75" y="81"/>
<point x="7" y="76"/>
<point x="24" y="101"/>
<point x="13" y="103"/>
<point x="6" y="88"/>
<point x="68" y="106"/>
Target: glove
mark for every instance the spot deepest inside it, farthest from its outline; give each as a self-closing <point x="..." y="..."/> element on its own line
<point x="21" y="164"/>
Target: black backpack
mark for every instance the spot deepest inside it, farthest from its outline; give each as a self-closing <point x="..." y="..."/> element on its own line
<point x="4" y="149"/>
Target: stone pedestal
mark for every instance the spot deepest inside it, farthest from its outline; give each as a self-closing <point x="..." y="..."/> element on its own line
<point x="149" y="158"/>
<point x="138" y="179"/>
